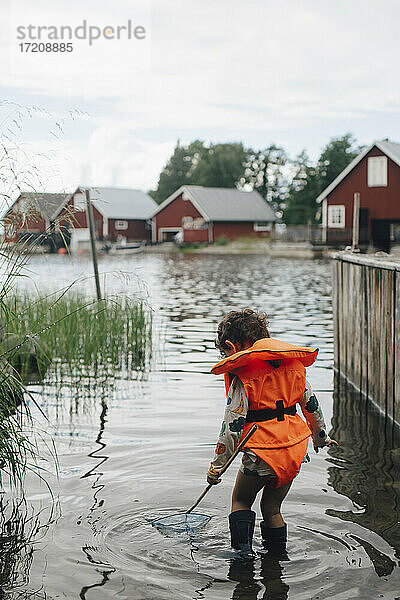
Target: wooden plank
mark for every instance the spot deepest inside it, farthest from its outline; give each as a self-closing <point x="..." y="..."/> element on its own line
<point x="390" y="280"/>
<point x="383" y="339"/>
<point x="369" y="329"/>
<point x="396" y="353"/>
<point x="340" y="340"/>
<point x="359" y="328"/>
<point x="345" y="308"/>
<point x="352" y="342"/>
<point x="363" y="331"/>
<point x="357" y="325"/>
<point x="377" y="354"/>
<point x="336" y="292"/>
<point x="372" y="329"/>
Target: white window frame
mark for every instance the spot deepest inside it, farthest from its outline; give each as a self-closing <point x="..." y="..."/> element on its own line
<point x="377" y="171"/>
<point x="262" y="226"/>
<point x="336" y="216"/>
<point x="121" y="225"/>
<point x="187" y="222"/>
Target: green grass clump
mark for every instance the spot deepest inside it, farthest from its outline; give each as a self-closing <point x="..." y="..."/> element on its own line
<point x="189" y="247"/>
<point x="93" y="337"/>
<point x="221" y="241"/>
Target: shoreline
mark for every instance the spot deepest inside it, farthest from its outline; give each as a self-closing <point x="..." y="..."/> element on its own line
<point x="293" y="250"/>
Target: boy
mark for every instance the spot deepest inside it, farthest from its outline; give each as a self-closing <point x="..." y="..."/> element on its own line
<point x="264" y="378"/>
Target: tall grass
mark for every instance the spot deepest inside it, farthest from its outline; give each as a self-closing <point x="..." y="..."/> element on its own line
<point x="73" y="334"/>
<point x="15" y="447"/>
<point x="77" y="333"/>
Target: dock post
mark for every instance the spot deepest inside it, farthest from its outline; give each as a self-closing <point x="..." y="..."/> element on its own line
<point x="89" y="210"/>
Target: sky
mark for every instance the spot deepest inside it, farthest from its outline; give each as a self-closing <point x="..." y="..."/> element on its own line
<point x="294" y="73"/>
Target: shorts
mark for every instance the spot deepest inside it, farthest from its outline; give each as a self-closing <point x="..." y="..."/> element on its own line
<point x="253" y="465"/>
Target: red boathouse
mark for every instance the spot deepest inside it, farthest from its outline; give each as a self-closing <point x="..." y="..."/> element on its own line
<point x="375" y="175"/>
<point x="201" y="214"/>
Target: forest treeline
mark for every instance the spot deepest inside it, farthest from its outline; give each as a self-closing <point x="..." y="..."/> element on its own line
<point x="289" y="185"/>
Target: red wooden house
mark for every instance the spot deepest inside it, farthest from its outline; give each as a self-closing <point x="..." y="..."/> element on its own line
<point x="201" y="214"/>
<point x="118" y="213"/>
<point x="32" y="214"/>
<point x="375" y="175"/>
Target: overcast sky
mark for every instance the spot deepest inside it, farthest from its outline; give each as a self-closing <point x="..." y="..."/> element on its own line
<point x="294" y="72"/>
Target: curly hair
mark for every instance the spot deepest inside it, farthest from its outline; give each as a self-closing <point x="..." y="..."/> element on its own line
<point x="240" y="327"/>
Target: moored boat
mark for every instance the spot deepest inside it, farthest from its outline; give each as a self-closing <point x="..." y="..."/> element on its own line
<point x="123" y="248"/>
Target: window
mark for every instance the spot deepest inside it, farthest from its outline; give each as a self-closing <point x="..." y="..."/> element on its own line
<point x="199" y="223"/>
<point x="336" y="216"/>
<point x="395" y="233"/>
<point x="187" y="222"/>
<point x="262" y="226"/>
<point x="121" y="225"/>
<point x="377" y="171"/>
<point x="190" y="223"/>
<point x="80" y="201"/>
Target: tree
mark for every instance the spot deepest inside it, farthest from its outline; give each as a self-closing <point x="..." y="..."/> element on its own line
<point x="335" y="157"/>
<point x="178" y="169"/>
<point x="265" y="173"/>
<point x="301" y="206"/>
<point x="221" y="165"/>
<point x="310" y="180"/>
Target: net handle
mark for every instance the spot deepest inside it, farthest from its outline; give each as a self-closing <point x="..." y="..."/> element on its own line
<point x="226" y="465"/>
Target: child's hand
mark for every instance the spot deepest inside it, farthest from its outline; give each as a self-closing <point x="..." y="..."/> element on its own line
<point x="213" y="476"/>
<point x="331" y="443"/>
<point x="213" y="480"/>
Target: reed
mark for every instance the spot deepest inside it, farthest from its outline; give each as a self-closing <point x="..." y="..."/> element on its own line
<point x="104" y="337"/>
<point x="23" y="327"/>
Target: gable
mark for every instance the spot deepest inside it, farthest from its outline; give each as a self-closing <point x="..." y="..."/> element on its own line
<point x="383" y="148"/>
<point x="382" y="201"/>
<point x="176" y="210"/>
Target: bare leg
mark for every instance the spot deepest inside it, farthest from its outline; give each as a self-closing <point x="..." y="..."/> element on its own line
<point x="245" y="490"/>
<point x="271" y="502"/>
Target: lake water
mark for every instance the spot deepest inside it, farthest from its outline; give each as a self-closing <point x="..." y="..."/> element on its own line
<point x="140" y="448"/>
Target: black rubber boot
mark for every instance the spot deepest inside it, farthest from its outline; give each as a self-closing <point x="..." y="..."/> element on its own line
<point x="241" y="525"/>
<point x="274" y="541"/>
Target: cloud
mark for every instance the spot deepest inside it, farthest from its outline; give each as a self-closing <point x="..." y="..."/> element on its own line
<point x="257" y="71"/>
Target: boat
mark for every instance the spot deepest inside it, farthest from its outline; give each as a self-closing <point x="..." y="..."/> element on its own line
<point x="122" y="248"/>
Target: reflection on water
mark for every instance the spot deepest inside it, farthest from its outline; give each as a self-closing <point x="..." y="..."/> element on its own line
<point x="366" y="470"/>
<point x="21" y="529"/>
<point x="267" y="585"/>
<point x="138" y="449"/>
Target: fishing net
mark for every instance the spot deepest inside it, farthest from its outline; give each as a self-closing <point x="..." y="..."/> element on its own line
<point x="181" y="522"/>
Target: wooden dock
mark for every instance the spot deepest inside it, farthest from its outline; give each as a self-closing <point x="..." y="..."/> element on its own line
<point x="366" y="309"/>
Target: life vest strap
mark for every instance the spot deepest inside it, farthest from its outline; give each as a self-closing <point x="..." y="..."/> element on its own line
<point x="267" y="414"/>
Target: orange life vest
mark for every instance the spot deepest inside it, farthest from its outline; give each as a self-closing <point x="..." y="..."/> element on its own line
<point x="274" y="376"/>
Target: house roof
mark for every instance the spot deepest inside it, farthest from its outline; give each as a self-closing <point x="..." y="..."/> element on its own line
<point x="122" y="203"/>
<point x="391" y="149"/>
<point x="224" y="204"/>
<point x="48" y="205"/>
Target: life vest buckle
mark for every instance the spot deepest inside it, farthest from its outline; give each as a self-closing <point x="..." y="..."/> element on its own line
<point x="280" y="412"/>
